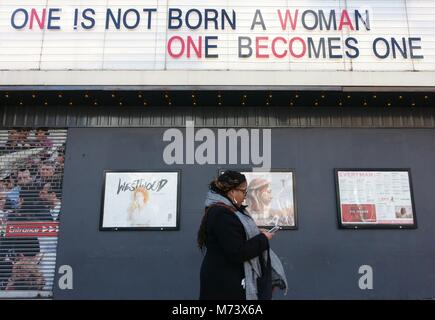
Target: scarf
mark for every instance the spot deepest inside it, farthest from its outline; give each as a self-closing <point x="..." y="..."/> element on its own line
<point x="252" y="267"/>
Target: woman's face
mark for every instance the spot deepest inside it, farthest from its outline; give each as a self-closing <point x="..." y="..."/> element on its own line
<point x="238" y="194"/>
<point x="139" y="197"/>
<point x="266" y="195"/>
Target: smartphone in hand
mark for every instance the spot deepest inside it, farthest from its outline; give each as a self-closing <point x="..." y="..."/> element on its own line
<point x="274" y="229"/>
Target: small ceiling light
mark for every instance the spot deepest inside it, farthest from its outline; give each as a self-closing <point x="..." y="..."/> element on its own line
<point x="374" y="97"/>
<point x="400" y="97"/>
<point x="45" y="103"/>
<point x="6" y="96"/>
<point x="194" y="103"/>
<point x="323" y="96"/>
<point x="243" y="103"/>
<point x="270" y="96"/>
<point x="120" y="103"/>
<point x="193" y="96"/>
<point x="267" y="103"/>
<point x="113" y="95"/>
<point x="95" y="103"/>
<point x="86" y="96"/>
<point x="245" y="96"/>
<point x="21" y="103"/>
<point x="291" y="104"/>
<point x="389" y="104"/>
<point x="70" y="103"/>
<point x="296" y="96"/>
<point x="170" y="103"/>
<point x="60" y="96"/>
<point x="340" y="104"/>
<point x="219" y="96"/>
<point x="316" y="104"/>
<point x="145" y="103"/>
<point x="220" y="103"/>
<point x="348" y="97"/>
<point x="365" y="104"/>
<point x="426" y="97"/>
<point x="33" y="96"/>
<point x="166" y="96"/>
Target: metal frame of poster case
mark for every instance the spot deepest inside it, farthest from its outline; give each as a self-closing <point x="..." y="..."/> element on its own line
<point x="374" y="226"/>
<point x="177" y="226"/>
<point x="277" y="170"/>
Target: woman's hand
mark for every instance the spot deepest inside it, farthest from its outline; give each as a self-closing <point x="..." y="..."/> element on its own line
<point x="267" y="234"/>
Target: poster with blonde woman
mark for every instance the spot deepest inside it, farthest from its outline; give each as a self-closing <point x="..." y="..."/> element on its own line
<point x="270" y="198"/>
<point x="147" y="200"/>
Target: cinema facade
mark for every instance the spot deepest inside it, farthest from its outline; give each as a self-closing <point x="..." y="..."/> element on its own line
<point x="107" y="104"/>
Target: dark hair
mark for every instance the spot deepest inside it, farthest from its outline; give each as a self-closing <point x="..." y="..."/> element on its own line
<point x="46" y="162"/>
<point x="224" y="183"/>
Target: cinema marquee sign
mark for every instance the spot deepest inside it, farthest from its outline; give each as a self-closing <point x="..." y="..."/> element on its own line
<point x="208" y="36"/>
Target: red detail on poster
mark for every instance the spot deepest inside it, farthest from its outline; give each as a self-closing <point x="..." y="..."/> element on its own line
<point x="32" y="229"/>
<point x="358" y="213"/>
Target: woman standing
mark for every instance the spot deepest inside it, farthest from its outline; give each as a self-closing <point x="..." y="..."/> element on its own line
<point x="236" y="250"/>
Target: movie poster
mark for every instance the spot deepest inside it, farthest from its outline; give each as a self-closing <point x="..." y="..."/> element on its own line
<point x="270" y="198"/>
<point x="375" y="198"/>
<point x="140" y="200"/>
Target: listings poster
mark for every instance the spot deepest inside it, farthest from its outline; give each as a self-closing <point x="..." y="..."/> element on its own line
<point x="140" y="200"/>
<point x="270" y="198"/>
<point x="375" y="198"/>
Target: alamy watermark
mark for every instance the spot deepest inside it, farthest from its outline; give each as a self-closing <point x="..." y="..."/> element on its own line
<point x="225" y="147"/>
<point x="366" y="280"/>
<point x="66" y="280"/>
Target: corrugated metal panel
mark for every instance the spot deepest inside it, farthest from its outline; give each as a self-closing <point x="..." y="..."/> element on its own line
<point x="274" y="117"/>
<point x="31" y="174"/>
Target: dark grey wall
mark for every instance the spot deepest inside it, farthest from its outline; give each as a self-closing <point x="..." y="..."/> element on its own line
<point x="321" y="260"/>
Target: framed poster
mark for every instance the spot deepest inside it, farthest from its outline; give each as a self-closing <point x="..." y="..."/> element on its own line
<point x="271" y="197"/>
<point x="375" y="198"/>
<point x="140" y="200"/>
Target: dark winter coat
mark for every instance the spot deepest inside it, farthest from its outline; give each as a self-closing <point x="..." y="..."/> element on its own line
<point x="222" y="269"/>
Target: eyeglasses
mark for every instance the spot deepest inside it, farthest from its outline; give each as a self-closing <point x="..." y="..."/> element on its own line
<point x="245" y="191"/>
